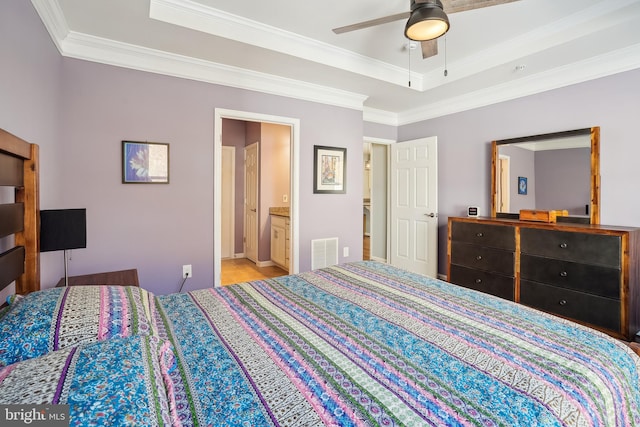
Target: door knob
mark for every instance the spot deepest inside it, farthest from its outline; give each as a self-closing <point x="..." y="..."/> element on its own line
<point x="431" y="215"/>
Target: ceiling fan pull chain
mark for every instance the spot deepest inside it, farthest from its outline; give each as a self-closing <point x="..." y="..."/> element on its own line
<point x="409" y="50"/>
<point x="446" y="72"/>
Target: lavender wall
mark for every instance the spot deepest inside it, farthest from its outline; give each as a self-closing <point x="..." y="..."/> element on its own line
<point x="29" y="83"/>
<point x="521" y="163"/>
<point x="376" y="130"/>
<point x="464" y="144"/>
<point x="79" y="112"/>
<point x="158" y="228"/>
<point x="563" y="179"/>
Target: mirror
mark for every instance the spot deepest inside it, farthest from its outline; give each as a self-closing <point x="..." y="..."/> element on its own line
<point x="555" y="171"/>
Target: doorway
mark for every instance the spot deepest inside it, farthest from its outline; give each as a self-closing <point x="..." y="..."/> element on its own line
<point x="293" y="190"/>
<point x="375" y="199"/>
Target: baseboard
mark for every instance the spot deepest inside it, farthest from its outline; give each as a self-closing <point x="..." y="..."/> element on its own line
<point x="375" y="258"/>
<point x="265" y="263"/>
<point x="239" y="255"/>
<point x="442" y="277"/>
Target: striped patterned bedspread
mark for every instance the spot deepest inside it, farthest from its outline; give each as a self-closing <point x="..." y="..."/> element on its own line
<point x="368" y="344"/>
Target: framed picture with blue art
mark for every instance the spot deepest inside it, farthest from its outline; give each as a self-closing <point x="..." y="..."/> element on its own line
<point x="145" y="162"/>
<point x="522" y="185"/>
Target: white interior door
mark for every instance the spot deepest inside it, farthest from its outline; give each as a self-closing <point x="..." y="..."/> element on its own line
<point x="251" y="201"/>
<point x="414" y="206"/>
<point x="228" y="201"/>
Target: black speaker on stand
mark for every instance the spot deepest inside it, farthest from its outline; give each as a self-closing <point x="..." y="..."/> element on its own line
<point x="61" y="230"/>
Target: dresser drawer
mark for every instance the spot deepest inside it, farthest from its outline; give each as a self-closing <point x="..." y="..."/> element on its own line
<point x="585" y="248"/>
<point x="592" y="279"/>
<point x="592" y="309"/>
<point x="490" y="283"/>
<point x="495" y="236"/>
<point x="483" y="258"/>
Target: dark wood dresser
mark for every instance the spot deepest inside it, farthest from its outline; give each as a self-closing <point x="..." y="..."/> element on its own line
<point x="586" y="273"/>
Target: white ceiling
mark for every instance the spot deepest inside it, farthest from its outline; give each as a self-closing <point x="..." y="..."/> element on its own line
<point x="286" y="47"/>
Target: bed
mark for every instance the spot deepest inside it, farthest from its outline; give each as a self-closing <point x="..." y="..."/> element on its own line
<point x="361" y="343"/>
<point x="20" y="262"/>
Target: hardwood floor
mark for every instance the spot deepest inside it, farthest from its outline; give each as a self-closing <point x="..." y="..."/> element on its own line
<point x="239" y="270"/>
<point x="366" y="248"/>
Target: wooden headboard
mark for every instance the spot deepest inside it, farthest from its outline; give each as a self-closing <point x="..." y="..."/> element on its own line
<point x="19" y="169"/>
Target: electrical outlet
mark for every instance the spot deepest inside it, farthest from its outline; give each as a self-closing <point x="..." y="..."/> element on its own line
<point x="285" y="198"/>
<point x="186" y="271"/>
<point x="345" y="251"/>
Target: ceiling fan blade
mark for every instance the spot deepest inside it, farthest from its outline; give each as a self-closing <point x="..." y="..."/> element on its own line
<point x="371" y="23"/>
<point x="453" y="6"/>
<point x="429" y="48"/>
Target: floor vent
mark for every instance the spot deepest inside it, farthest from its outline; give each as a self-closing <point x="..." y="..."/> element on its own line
<point x="324" y="252"/>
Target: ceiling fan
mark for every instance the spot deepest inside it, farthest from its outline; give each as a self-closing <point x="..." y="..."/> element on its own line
<point x="426" y="21"/>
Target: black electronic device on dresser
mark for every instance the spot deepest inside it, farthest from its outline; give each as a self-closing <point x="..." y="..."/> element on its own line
<point x="586" y="273"/>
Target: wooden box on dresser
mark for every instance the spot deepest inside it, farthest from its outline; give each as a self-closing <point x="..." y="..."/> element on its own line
<point x="586" y="273"/>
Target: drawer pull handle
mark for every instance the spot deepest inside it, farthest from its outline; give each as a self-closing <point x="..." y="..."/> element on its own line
<point x="479" y="257"/>
<point x="563" y="274"/>
<point x="563" y="245"/>
<point x="479" y="234"/>
<point x="478" y="281"/>
<point x="562" y="302"/>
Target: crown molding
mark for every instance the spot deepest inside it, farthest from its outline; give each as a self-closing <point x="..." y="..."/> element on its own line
<point x="53" y="19"/>
<point x="86" y="47"/>
<point x="614" y="62"/>
<point x="96" y="49"/>
<point x="555" y="33"/>
<point x="105" y="51"/>
<point x="382" y="117"/>
<point x="196" y="16"/>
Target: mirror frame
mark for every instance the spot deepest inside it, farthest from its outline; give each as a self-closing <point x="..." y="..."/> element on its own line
<point x="594" y="132"/>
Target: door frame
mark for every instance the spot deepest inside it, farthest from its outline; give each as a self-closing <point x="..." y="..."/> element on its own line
<point x="232" y="195"/>
<point x="294" y="200"/>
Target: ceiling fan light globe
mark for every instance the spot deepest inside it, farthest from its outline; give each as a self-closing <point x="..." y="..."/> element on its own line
<point x="426" y="22"/>
<point x="427" y="30"/>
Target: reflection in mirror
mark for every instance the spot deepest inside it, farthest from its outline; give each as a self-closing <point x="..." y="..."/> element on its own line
<point x="558" y="171"/>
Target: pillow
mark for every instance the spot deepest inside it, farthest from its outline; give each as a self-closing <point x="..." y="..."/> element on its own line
<point x="115" y="382"/>
<point x="53" y="319"/>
